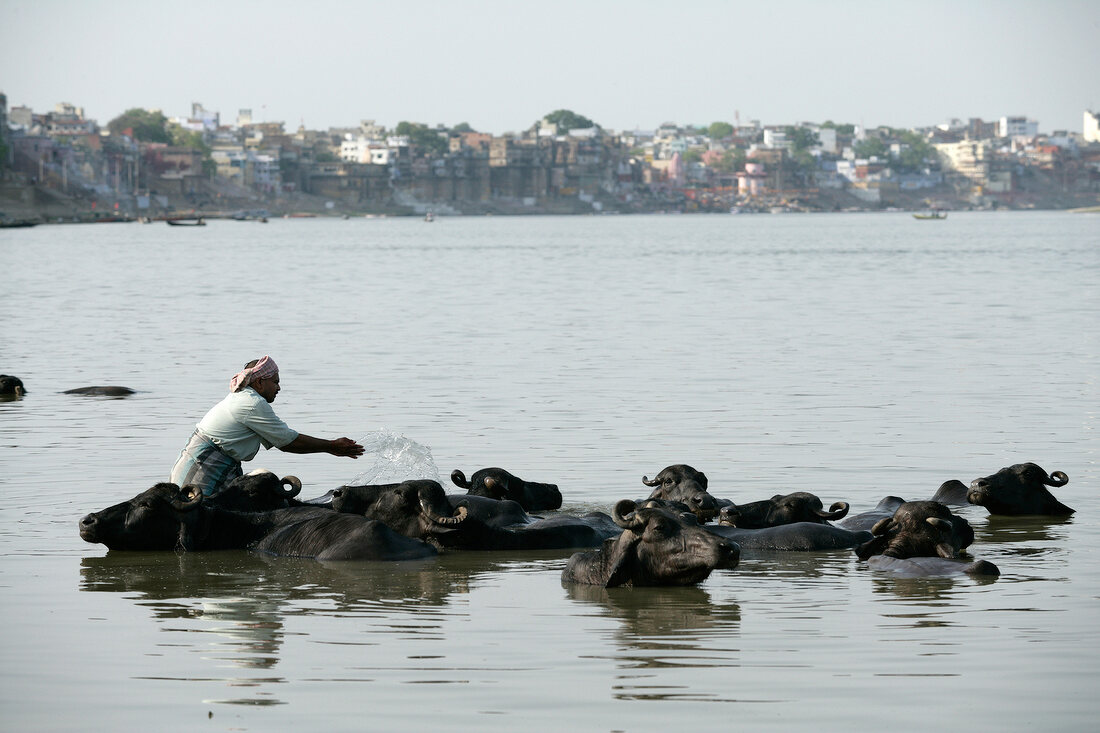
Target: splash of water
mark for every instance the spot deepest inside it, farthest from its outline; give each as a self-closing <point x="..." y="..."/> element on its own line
<point x="393" y="458"/>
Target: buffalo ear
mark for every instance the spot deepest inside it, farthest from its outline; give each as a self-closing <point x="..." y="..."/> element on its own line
<point x="622" y="559"/>
<point x="702" y="478"/>
<point x="946" y="551"/>
<point x="871" y="547"/>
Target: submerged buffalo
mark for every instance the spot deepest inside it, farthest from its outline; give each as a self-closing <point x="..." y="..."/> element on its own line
<point x="258" y="491"/>
<point x="496" y="483"/>
<point x="1019" y="490"/>
<point x="919" y="529"/>
<point x="101" y="391"/>
<point x="781" y="509"/>
<point x="168" y="517"/>
<point x="500" y="513"/>
<point x="416" y="508"/>
<point x="420" y="508"/>
<point x="493" y="512"/>
<point x="11" y="386"/>
<point x="868" y="519"/>
<point x="797" y="537"/>
<point x="923" y="538"/>
<point x="924" y="567"/>
<point x="656" y="547"/>
<point x="683" y="484"/>
<point x="951" y="493"/>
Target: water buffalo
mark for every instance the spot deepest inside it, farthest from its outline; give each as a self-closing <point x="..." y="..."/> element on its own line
<point x="419" y="508"/>
<point x="493" y="512"/>
<point x="923" y="567"/>
<point x="11" y="386"/>
<point x="101" y="391"/>
<point x="682" y="483"/>
<point x="1019" y="490"/>
<point x="919" y="529"/>
<point x="951" y="493"/>
<point x="168" y="517"/>
<point x="656" y="547"/>
<point x="866" y="520"/>
<point x="496" y="483"/>
<point x="797" y="537"/>
<point x="258" y="491"/>
<point x="800" y="506"/>
<point x="416" y="508"/>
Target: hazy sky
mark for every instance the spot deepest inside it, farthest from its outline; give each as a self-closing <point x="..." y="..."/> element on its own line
<point x="500" y="66"/>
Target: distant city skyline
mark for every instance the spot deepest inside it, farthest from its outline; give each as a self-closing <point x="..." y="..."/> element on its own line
<point x="500" y="66"/>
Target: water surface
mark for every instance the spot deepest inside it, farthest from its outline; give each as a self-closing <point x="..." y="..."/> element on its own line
<point x="849" y="355"/>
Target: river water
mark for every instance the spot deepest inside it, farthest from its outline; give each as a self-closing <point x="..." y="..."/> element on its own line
<point x="852" y="355"/>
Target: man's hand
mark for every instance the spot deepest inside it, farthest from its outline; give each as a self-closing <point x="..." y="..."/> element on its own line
<point x="345" y="447"/>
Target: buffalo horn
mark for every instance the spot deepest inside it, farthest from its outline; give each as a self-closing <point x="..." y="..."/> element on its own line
<point x="190" y="497"/>
<point x="939" y="523"/>
<point x="458" y="518"/>
<point x="625" y="515"/>
<point x="295" y="484"/>
<point x="836" y="511"/>
<point x="882" y="526"/>
<point x="647" y="482"/>
<point x="459" y="479"/>
<point x="1057" y="478"/>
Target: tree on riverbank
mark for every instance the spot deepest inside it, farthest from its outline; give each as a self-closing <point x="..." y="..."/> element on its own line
<point x="567" y="119"/>
<point x="422" y="137"/>
<point x="142" y="125"/>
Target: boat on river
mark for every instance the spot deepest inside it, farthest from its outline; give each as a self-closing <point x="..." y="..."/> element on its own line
<point x="186" y="222"/>
<point x="933" y="214"/>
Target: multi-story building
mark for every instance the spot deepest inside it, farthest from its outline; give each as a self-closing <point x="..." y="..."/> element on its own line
<point x="1017" y="127"/>
<point x="1091" y="128"/>
<point x="366" y="151"/>
<point x="775" y="138"/>
<point x="969" y="158"/>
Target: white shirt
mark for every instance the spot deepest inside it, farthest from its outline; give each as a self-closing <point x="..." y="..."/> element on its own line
<point x="243" y="421"/>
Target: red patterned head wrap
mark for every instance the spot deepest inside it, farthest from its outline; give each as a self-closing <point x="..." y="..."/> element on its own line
<point x="264" y="368"/>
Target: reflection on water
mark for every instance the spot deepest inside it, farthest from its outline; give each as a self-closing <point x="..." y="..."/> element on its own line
<point x="661" y="618"/>
<point x="936" y="593"/>
<point x="1051" y="532"/>
<point x="663" y="629"/>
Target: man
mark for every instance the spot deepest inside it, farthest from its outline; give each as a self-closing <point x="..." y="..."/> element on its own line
<point x="235" y="428"/>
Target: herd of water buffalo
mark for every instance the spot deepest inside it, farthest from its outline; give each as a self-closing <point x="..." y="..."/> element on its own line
<point x="677" y="535"/>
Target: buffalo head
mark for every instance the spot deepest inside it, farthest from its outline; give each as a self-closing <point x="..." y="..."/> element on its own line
<point x="11" y="387"/>
<point x="258" y="491"/>
<point x="158" y="518"/>
<point x="1019" y="489"/>
<point x="416" y="508"/>
<point x="797" y="507"/>
<point x="496" y="483"/>
<point x="682" y="483"/>
<point x="656" y="547"/>
<point x="919" y="529"/>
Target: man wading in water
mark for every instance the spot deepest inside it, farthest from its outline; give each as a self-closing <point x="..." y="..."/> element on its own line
<point x="236" y="427"/>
